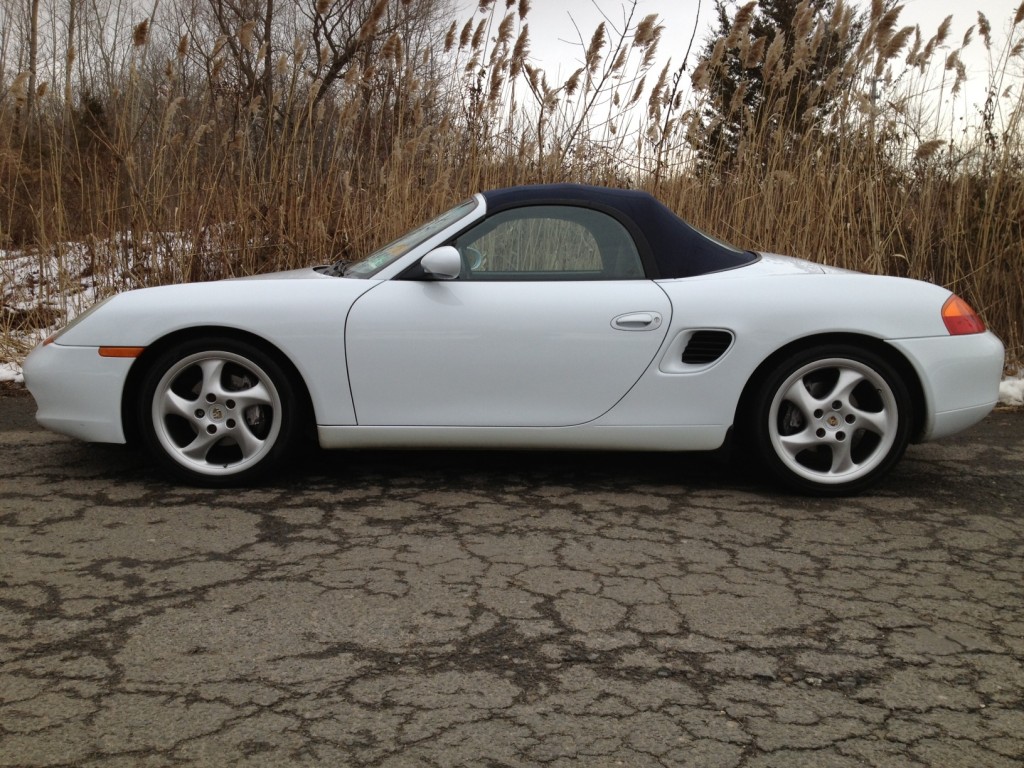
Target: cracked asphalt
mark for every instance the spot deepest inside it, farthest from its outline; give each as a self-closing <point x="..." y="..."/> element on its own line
<point x="498" y="609"/>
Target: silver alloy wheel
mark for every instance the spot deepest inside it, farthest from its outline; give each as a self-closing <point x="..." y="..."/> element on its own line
<point x="216" y="413"/>
<point x="833" y="421"/>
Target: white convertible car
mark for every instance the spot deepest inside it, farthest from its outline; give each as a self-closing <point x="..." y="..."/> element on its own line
<point x="542" y="317"/>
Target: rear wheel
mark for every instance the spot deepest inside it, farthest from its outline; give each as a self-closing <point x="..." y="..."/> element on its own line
<point x="217" y="412"/>
<point x="832" y="420"/>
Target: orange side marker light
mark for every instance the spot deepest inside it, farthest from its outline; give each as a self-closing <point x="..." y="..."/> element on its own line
<point x="121" y="351"/>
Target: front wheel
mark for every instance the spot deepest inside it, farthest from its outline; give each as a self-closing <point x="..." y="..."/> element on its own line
<point x="217" y="412"/>
<point x="832" y="420"/>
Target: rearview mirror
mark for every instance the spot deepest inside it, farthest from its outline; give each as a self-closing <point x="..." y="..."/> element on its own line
<point x="442" y="263"/>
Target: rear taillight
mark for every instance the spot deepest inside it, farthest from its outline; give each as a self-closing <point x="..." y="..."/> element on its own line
<point x="959" y="318"/>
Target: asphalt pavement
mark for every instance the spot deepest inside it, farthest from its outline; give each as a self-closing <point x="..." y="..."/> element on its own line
<point x="510" y="609"/>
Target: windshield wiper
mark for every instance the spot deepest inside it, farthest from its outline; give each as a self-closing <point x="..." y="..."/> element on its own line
<point x="338" y="268"/>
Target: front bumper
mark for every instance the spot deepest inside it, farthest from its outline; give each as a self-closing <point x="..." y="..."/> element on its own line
<point x="77" y="391"/>
<point x="960" y="376"/>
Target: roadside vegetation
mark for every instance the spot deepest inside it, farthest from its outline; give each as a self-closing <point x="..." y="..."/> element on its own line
<point x="216" y="138"/>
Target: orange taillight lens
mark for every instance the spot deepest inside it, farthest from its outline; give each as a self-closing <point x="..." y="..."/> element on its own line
<point x="959" y="318"/>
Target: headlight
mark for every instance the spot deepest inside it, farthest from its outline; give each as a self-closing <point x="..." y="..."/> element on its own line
<point x="53" y="337"/>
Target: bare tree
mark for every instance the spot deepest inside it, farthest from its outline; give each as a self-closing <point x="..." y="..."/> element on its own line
<point x="33" y="54"/>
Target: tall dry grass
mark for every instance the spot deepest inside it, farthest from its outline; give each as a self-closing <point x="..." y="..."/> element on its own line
<point x="195" y="154"/>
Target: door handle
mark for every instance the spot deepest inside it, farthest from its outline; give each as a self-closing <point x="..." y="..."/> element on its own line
<point x="637" y="321"/>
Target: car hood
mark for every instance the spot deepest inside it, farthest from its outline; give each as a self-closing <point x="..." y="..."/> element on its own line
<point x="306" y="273"/>
<point x="282" y="305"/>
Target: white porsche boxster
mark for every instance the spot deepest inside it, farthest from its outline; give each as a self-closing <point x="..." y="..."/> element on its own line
<point x="546" y="317"/>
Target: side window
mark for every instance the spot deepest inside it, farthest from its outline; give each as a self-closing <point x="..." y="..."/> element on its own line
<point x="549" y="242"/>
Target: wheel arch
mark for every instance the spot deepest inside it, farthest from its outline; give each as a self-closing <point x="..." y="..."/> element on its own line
<point x="891" y="355"/>
<point x="133" y="383"/>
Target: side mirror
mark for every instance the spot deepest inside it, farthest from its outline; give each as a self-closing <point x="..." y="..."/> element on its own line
<point x="442" y="263"/>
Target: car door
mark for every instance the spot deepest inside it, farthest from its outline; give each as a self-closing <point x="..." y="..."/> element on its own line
<point x="549" y="324"/>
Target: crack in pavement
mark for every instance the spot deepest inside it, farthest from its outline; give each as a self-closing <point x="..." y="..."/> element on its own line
<point x="396" y="609"/>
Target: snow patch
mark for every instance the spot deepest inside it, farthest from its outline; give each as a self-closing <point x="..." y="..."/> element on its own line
<point x="11" y="372"/>
<point x="1011" y="390"/>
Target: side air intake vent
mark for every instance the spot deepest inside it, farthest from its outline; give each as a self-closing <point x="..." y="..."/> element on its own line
<point x="705" y="347"/>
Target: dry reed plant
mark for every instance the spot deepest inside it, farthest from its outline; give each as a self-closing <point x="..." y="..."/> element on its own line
<point x="206" y="145"/>
<point x="887" y="182"/>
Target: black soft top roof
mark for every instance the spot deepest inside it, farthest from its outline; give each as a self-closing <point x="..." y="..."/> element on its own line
<point x="673" y="247"/>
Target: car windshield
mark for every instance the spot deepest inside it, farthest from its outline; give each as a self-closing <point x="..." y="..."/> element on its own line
<point x="382" y="257"/>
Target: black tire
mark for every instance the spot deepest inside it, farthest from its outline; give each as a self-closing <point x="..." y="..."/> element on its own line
<point x="218" y="412"/>
<point x="831" y="420"/>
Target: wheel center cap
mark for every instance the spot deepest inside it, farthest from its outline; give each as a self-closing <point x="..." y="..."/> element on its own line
<point x="216" y="413"/>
